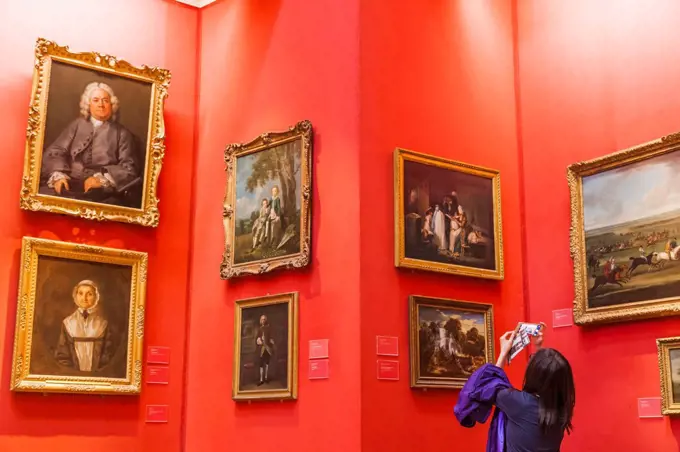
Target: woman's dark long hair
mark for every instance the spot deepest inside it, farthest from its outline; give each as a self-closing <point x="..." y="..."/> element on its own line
<point x="549" y="377"/>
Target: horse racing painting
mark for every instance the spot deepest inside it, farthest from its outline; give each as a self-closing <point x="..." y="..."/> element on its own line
<point x="625" y="229"/>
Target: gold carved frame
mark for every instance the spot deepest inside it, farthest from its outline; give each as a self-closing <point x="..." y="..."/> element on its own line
<point x="414" y="302"/>
<point x="401" y="155"/>
<point x="664" y="346"/>
<point x="289" y="393"/>
<point x="583" y="315"/>
<point x="301" y="131"/>
<point x="22" y="379"/>
<point x="45" y="53"/>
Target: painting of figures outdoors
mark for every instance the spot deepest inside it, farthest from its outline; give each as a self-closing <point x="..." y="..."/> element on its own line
<point x="669" y="373"/>
<point x="447" y="216"/>
<point x="449" y="341"/>
<point x="630" y="226"/>
<point x="266" y="348"/>
<point x="267" y="208"/>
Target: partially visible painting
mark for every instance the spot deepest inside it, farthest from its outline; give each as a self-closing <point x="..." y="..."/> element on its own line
<point x="80" y="319"/>
<point x="267" y="207"/>
<point x="669" y="373"/>
<point x="449" y="340"/>
<point x="625" y="216"/>
<point x="447" y="216"/>
<point x="96" y="136"/>
<point x="266" y="348"/>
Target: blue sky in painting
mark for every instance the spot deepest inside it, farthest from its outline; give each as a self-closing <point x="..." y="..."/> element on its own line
<point x="468" y="319"/>
<point x="632" y="192"/>
<point x="247" y="202"/>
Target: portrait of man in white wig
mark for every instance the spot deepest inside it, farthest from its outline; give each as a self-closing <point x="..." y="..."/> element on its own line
<point x="94" y="158"/>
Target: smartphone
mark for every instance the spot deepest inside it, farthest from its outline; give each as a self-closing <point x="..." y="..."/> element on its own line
<point x="523" y="333"/>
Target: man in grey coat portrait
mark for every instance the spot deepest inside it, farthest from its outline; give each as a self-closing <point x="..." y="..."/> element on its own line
<point x="94" y="158"/>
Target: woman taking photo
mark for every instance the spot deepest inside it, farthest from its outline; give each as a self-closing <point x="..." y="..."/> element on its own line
<point x="531" y="420"/>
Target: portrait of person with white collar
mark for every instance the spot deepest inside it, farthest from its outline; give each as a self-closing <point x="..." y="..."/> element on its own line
<point x="86" y="342"/>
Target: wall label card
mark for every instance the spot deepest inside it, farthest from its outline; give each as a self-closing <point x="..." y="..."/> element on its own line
<point x="318" y="348"/>
<point x="562" y="318"/>
<point x="387" y="345"/>
<point x="158" y="355"/>
<point x="388" y="369"/>
<point x="159" y="375"/>
<point x="157" y="413"/>
<point x="649" y="407"/>
<point x="318" y="369"/>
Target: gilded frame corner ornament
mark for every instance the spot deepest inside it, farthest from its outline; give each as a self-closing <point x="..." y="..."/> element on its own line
<point x="22" y="379"/>
<point x="30" y="199"/>
<point x="291" y="391"/>
<point x="400" y="258"/>
<point x="414" y="301"/>
<point x="300" y="131"/>
<point x="664" y="346"/>
<point x="584" y="315"/>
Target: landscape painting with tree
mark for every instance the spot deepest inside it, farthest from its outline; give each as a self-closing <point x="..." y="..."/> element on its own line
<point x="625" y="245"/>
<point x="449" y="340"/>
<point x="266" y="210"/>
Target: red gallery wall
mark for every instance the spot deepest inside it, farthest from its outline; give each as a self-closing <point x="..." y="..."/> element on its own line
<point x="153" y="32"/>
<point x="596" y="77"/>
<point x="266" y="64"/>
<point x="436" y="77"/>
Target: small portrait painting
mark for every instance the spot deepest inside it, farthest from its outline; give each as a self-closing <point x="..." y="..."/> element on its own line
<point x="80" y="311"/>
<point x="626" y="226"/>
<point x="449" y="341"/>
<point x="266" y="348"/>
<point x="669" y="373"/>
<point x="447" y="216"/>
<point x="267" y="207"/>
<point x="93" y="142"/>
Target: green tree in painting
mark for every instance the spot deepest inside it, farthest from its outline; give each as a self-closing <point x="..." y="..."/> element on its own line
<point x="279" y="165"/>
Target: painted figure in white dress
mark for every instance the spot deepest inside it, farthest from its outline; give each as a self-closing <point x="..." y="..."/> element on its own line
<point x="439" y="228"/>
<point x="86" y="340"/>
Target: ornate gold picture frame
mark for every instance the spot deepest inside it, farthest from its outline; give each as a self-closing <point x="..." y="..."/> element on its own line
<point x="447" y="216"/>
<point x="96" y="136"/>
<point x="267" y="207"/>
<point x="449" y="340"/>
<point x="80" y="319"/>
<point x="266" y="348"/>
<point x="625" y="224"/>
<point x="668" y="350"/>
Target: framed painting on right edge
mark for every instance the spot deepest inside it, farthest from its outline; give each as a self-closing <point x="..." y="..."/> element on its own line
<point x="447" y="216"/>
<point x="669" y="374"/>
<point x="449" y="340"/>
<point x="625" y="224"/>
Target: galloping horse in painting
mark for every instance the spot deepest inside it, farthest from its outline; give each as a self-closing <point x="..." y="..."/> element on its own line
<point x="615" y="277"/>
<point x="635" y="262"/>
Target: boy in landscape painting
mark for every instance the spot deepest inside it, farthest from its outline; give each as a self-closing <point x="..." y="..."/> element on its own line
<point x="268" y="226"/>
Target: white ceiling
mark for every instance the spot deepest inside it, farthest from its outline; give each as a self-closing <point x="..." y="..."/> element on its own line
<point x="197" y="3"/>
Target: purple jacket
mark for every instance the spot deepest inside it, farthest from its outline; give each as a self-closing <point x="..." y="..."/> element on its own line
<point x="476" y="400"/>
